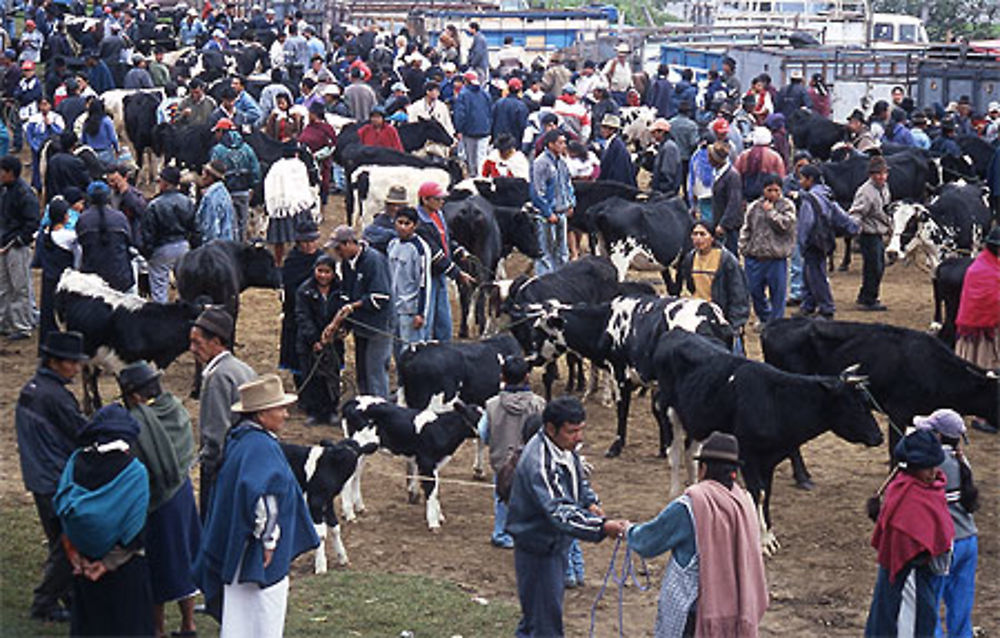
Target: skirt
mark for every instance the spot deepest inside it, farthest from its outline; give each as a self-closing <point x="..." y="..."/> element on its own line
<point x="281" y="230"/>
<point x="173" y="533"/>
<point x="980" y="350"/>
<point x="120" y="603"/>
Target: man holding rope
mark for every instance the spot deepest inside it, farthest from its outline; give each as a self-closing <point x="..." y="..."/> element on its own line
<point x="551" y="502"/>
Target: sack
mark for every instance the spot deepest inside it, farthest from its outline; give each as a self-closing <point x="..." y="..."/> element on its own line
<point x="821" y="235"/>
<point x="505" y="475"/>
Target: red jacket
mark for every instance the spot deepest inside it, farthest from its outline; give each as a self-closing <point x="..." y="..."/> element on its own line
<point x="386" y="137"/>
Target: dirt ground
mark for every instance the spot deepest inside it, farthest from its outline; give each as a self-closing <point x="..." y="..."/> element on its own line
<point x="820" y="581"/>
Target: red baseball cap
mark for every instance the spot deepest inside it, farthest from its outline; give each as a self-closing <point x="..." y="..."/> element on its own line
<point x="430" y="189"/>
<point x="514" y="84"/>
<point x="225" y="124"/>
<point x="720" y="126"/>
<point x="471" y="76"/>
<point x="28" y="65"/>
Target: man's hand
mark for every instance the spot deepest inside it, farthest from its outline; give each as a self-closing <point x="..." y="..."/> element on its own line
<point x="767" y="204"/>
<point x="553" y="218"/>
<point x="418" y="322"/>
<point x="94" y="570"/>
<point x="596" y="510"/>
<point x="720" y="232"/>
<point x="268" y="555"/>
<point x="317" y="346"/>
<point x="615" y="528"/>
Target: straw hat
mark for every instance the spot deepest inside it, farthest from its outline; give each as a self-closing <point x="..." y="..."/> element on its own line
<point x="262" y="394"/>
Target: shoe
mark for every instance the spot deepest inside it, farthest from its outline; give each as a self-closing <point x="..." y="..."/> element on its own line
<point x="56" y="614"/>
<point x="18" y="336"/>
<point x="503" y="542"/>
<point x="805" y="313"/>
<point x="983" y="426"/>
<point x="792" y="302"/>
<point x="870" y="307"/>
<point x="571" y="582"/>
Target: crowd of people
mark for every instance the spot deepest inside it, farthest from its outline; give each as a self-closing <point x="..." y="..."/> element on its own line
<point x="113" y="492"/>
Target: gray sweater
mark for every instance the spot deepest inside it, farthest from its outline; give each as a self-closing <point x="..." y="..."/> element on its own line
<point x="220" y="384"/>
<point x="870" y="209"/>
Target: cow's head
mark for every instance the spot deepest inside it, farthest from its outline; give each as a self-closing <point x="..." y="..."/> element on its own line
<point x="524" y="231"/>
<point x="355" y="421"/>
<point x="258" y="267"/>
<point x="851" y="406"/>
<point x="548" y="340"/>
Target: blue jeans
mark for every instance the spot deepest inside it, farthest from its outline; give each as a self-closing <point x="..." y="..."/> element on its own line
<point x="771" y="274"/>
<point x="731" y="241"/>
<point x="817" y="291"/>
<point x="241" y="208"/>
<point x="541" y="585"/>
<point x="796" y="284"/>
<point x="555" y="251"/>
<point x="439" y="314"/>
<point x="574" y="561"/>
<point x="958" y="589"/>
<point x="372" y="362"/>
<point x="161" y="262"/>
<point x="499" y="519"/>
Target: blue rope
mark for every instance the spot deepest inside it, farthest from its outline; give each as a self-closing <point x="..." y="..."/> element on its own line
<point x="620" y="579"/>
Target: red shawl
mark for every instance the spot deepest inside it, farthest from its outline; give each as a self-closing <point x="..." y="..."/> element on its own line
<point x="979" y="309"/>
<point x="732" y="591"/>
<point x="914" y="519"/>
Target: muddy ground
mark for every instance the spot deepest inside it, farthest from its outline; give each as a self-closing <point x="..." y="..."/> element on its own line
<point x="820" y="582"/>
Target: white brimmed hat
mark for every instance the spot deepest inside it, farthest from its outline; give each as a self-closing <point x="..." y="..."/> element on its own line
<point x="262" y="394"/>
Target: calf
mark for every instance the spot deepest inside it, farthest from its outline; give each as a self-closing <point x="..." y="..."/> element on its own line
<point x="119" y="328"/>
<point x="909" y="372"/>
<point x="434" y="373"/>
<point x="617" y="335"/>
<point x="705" y="388"/>
<point x="947" y="282"/>
<point x="322" y="472"/>
<point x="426" y="438"/>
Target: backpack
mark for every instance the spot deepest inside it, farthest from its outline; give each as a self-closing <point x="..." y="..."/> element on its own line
<point x="821" y="235"/>
<point x="505" y="475"/>
<point x="753" y="186"/>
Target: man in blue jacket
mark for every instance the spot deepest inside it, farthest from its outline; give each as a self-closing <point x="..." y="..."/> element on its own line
<point x="551" y="503"/>
<point x="552" y="194"/>
<point x="510" y="113"/>
<point x="472" y="122"/>
<point x="48" y="419"/>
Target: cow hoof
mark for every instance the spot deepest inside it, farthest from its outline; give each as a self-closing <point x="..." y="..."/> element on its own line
<point x="769" y="544"/>
<point x="435" y="530"/>
<point x="806" y="485"/>
<point x="662" y="453"/>
<point x="615" y="449"/>
<point x="412" y="498"/>
<point x="478" y="474"/>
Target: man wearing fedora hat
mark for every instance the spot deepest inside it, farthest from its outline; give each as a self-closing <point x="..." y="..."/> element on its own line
<point x="713" y="536"/>
<point x="618" y="72"/>
<point x="382" y="230"/>
<point x="215" y="215"/>
<point x="169" y="223"/>
<point x="48" y="419"/>
<point x="616" y="164"/>
<point x="258" y="522"/>
<point x="211" y="340"/>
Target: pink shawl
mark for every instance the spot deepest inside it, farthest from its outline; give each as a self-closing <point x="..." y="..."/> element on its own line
<point x="732" y="592"/>
<point x="979" y="308"/>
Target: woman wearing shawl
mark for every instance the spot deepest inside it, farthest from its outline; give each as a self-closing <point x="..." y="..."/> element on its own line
<point x="101" y="502"/>
<point x="165" y="446"/>
<point x="258" y="521"/>
<point x="714" y="583"/>
<point x="978" y="321"/>
<point x="913" y="536"/>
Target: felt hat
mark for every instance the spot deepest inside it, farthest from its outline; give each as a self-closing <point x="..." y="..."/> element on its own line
<point x="719" y="152"/>
<point x="719" y="446"/>
<point x="216" y="321"/>
<point x="64" y="345"/>
<point x="720" y="127"/>
<point x="762" y="136"/>
<point x="136" y="375"/>
<point x="944" y="421"/>
<point x="993" y="238"/>
<point x="611" y="121"/>
<point x="397" y="195"/>
<point x="919" y="450"/>
<point x="216" y="168"/>
<point x="622" y="48"/>
<point x="306" y="230"/>
<point x="796" y="74"/>
<point x="110" y="423"/>
<point x="262" y="394"/>
<point x="171" y="175"/>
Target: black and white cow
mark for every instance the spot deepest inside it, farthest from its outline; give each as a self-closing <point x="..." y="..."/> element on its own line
<point x="947" y="283"/>
<point x="589" y="194"/>
<point x="909" y="372"/>
<point x="489" y="233"/>
<point x="658" y="230"/>
<point x="322" y="472"/>
<point x="590" y="280"/>
<point x="426" y="438"/>
<point x="434" y="373"/>
<point x="954" y="222"/>
<point x="119" y="328"/>
<point x="617" y="335"/>
<point x="705" y="388"/>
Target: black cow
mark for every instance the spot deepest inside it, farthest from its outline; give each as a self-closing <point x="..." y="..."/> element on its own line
<point x="119" y="328"/>
<point x="503" y="191"/>
<point x="979" y="151"/>
<point x="658" y="229"/>
<point x="705" y="388"/>
<point x="140" y="122"/>
<point x="322" y="472"/>
<point x="433" y="373"/>
<point x="815" y="133"/>
<point x="909" y="372"/>
<point x="426" y="438"/>
<point x="617" y="335"/>
<point x="589" y="195"/>
<point x="416" y="135"/>
<point x="947" y="282"/>
<point x="589" y="280"/>
<point x="489" y="233"/>
<point x="186" y="145"/>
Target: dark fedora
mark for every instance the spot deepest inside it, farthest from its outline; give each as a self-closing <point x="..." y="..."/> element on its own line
<point x="217" y="322"/>
<point x="719" y="446"/>
<point x="64" y="345"/>
<point x="136" y="376"/>
<point x="306" y="230"/>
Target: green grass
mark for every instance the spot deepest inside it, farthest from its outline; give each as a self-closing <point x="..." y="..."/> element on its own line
<point x="339" y="603"/>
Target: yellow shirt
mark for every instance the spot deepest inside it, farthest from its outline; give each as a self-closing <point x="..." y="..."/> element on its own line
<point x="703" y="270"/>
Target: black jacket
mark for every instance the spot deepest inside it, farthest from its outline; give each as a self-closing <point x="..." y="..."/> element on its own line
<point x="70" y="109"/>
<point x="313" y="312"/>
<point x="297" y="268"/>
<point x="727" y="200"/>
<point x="62" y="171"/>
<point x="169" y="218"/>
<point x="368" y="281"/>
<point x="106" y="246"/>
<point x="48" y="419"/>
<point x="18" y="214"/>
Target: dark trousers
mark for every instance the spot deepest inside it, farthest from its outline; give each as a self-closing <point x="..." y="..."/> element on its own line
<point x="57" y="578"/>
<point x="207" y="482"/>
<point x="770" y="275"/>
<point x="320" y="397"/>
<point x="541" y="580"/>
<point x="731" y="241"/>
<point x="371" y="360"/>
<point x="873" y="256"/>
<point x="817" y="287"/>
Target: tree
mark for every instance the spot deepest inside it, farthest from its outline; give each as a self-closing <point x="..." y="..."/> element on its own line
<point x="949" y="19"/>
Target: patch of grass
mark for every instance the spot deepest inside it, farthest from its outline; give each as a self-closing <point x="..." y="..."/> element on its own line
<point x="339" y="603"/>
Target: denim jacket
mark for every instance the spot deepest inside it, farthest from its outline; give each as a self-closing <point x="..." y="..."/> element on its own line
<point x="551" y="187"/>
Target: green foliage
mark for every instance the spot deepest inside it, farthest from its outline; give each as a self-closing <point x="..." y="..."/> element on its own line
<point x="944" y="18"/>
<point x="635" y="10"/>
